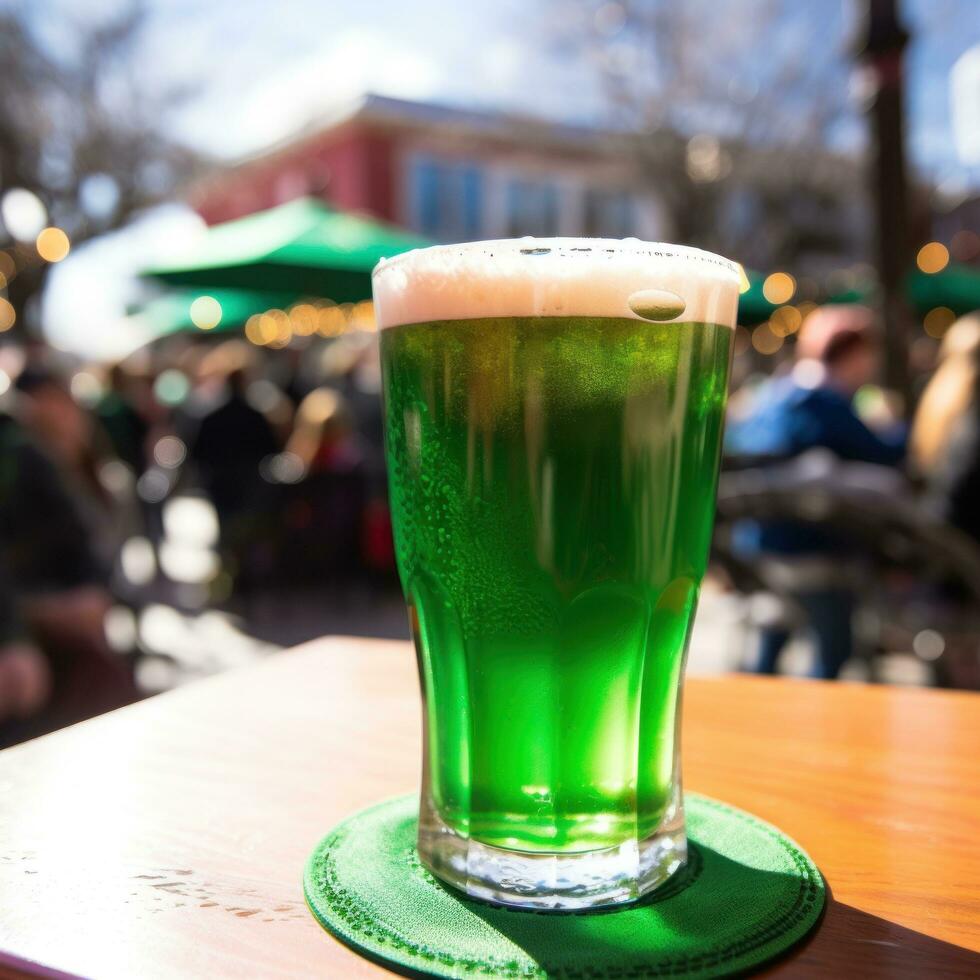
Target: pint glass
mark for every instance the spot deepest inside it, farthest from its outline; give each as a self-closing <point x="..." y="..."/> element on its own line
<point x="553" y="412"/>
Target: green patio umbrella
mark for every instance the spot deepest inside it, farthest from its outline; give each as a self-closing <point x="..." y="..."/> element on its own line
<point x="305" y="247"/>
<point x="956" y="287"/>
<point x="176" y="311"/>
<point x="753" y="307"/>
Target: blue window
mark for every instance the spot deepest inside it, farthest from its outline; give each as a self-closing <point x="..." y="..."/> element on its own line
<point x="472" y="201"/>
<point x="609" y="213"/>
<point x="446" y="199"/>
<point x="532" y="208"/>
<point x="426" y="180"/>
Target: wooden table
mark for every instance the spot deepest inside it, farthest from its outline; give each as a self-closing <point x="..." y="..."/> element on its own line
<point x="168" y="839"/>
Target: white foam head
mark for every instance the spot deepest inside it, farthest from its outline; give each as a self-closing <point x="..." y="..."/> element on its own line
<point x="548" y="277"/>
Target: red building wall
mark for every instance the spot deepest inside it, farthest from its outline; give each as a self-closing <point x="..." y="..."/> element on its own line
<point x="352" y="167"/>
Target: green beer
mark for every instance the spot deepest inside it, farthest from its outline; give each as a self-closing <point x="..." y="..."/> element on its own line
<point x="552" y="489"/>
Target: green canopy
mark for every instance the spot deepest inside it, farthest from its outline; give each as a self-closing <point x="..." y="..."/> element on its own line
<point x="753" y="307"/>
<point x="171" y="312"/>
<point x="957" y="287"/>
<point x="304" y="247"/>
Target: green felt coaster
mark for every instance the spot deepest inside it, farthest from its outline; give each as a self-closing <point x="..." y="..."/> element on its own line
<point x="746" y="895"/>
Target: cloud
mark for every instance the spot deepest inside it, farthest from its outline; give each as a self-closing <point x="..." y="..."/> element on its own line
<point x="288" y="96"/>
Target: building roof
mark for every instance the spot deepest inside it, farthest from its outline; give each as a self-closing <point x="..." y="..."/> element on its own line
<point x="386" y="111"/>
<point x="774" y="166"/>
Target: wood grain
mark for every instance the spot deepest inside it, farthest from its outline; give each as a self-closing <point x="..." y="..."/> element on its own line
<point x="167" y="839"/>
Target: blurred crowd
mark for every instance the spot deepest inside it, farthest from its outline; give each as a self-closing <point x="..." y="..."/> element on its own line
<point x="853" y="516"/>
<point x="281" y="451"/>
<point x="853" y="525"/>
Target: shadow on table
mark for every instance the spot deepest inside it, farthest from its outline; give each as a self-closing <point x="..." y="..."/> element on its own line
<point x="846" y="941"/>
<point x="668" y="927"/>
<point x="850" y="942"/>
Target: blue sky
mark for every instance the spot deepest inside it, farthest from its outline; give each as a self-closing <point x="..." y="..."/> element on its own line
<point x="278" y="71"/>
<point x="261" y="70"/>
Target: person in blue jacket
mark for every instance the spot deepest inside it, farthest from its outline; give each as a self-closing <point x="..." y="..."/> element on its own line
<point x="811" y="407"/>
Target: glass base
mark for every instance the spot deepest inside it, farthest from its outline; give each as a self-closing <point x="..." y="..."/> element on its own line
<point x="557" y="881"/>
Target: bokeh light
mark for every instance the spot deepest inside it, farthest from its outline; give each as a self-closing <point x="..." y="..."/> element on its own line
<point x="85" y="388"/>
<point x="778" y="288"/>
<point x="266" y="328"/>
<point x="153" y="486"/>
<point x="785" y="321"/>
<point x="8" y="267"/>
<point x="169" y="452"/>
<point x="938" y="320"/>
<point x="929" y="645"/>
<point x="707" y="160"/>
<point x="282" y="468"/>
<point x="765" y="341"/>
<point x="933" y="257"/>
<point x="303" y="319"/>
<point x="743" y="280"/>
<point x="52" y="244"/>
<point x="205" y="312"/>
<point x="187" y="563"/>
<point x="8" y="315"/>
<point x="191" y="520"/>
<point x="171" y="387"/>
<point x="253" y="329"/>
<point x="361" y="316"/>
<point x="138" y="560"/>
<point x="331" y="321"/>
<point x="276" y="329"/>
<point x="23" y="213"/>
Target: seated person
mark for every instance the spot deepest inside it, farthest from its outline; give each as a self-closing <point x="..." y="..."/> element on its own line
<point x="811" y="407"/>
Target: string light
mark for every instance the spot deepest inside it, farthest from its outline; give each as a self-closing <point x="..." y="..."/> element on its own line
<point x="303" y="319"/>
<point x="937" y="321"/>
<point x="933" y="257"/>
<point x="274" y="328"/>
<point x="205" y="313"/>
<point x="765" y="341"/>
<point x="52" y="244"/>
<point x="331" y="321"/>
<point x="8" y="315"/>
<point x="779" y="287"/>
<point x="253" y="330"/>
<point x="361" y="316"/>
<point x="785" y="321"/>
<point x="264" y="328"/>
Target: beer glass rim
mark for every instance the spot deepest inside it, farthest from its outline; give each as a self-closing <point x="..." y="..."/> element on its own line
<point x="710" y="264"/>
<point x="548" y="277"/>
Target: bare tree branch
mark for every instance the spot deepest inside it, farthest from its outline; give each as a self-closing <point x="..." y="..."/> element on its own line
<point x="715" y="100"/>
<point x="73" y="120"/>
